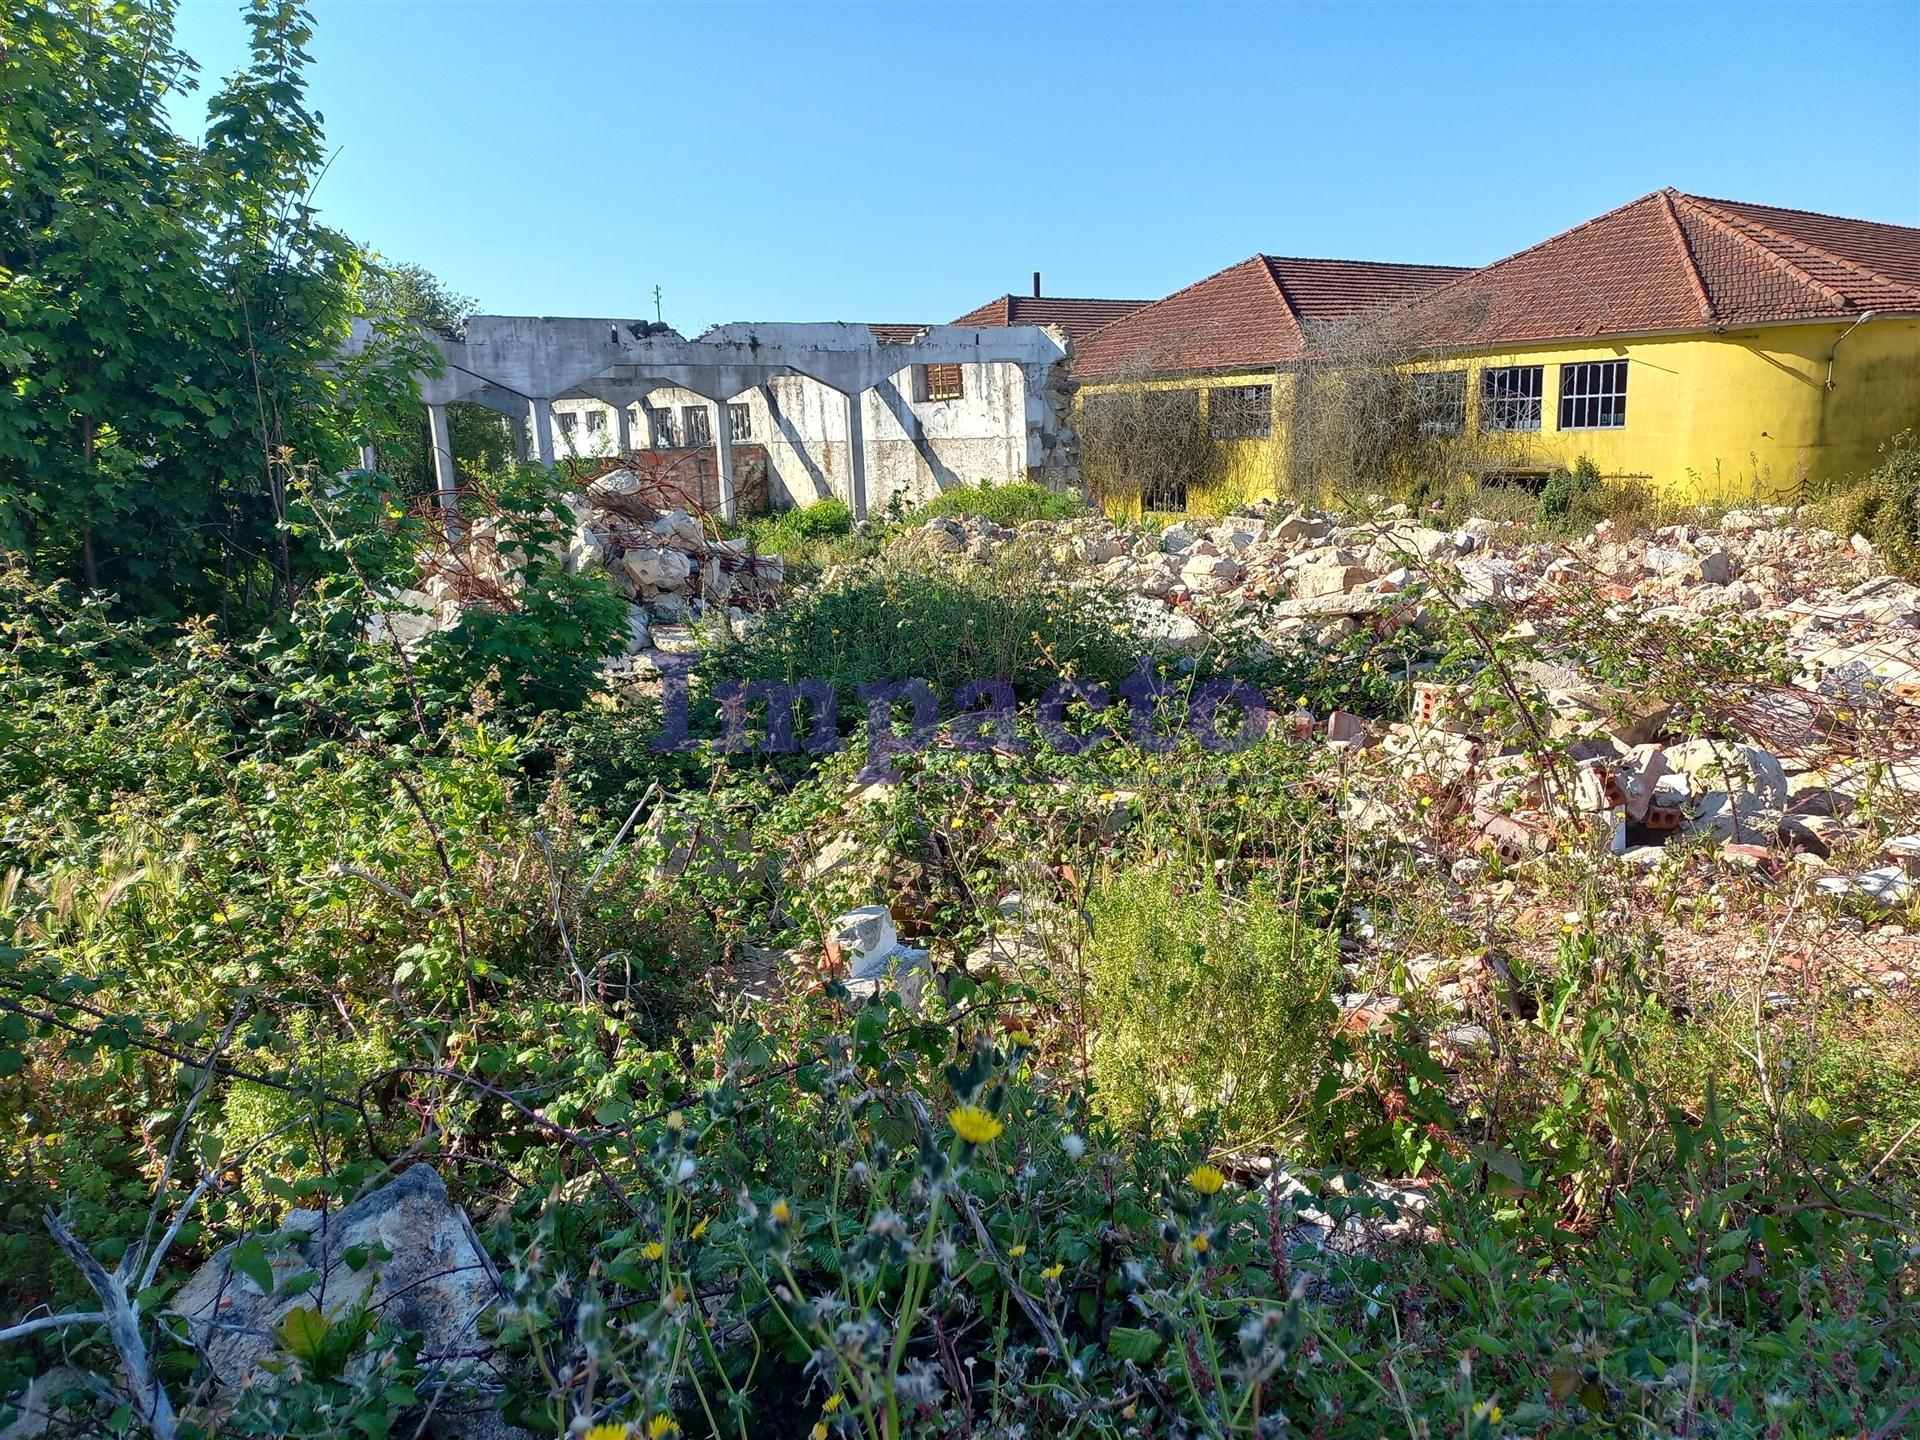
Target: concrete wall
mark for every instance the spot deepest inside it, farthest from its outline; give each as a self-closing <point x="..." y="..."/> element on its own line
<point x="914" y="448"/>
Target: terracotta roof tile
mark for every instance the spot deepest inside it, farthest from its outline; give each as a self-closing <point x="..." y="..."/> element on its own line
<point x="1253" y="314"/>
<point x="1078" y="317"/>
<point x="1670" y="261"/>
<point x="896" y="334"/>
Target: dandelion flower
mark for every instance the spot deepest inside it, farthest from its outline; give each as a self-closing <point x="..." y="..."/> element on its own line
<point x="973" y="1125"/>
<point x="606" y="1432"/>
<point x="819" y="1431"/>
<point x="1052" y="1272"/>
<point x="652" y="1250"/>
<point x="699" y="1229"/>
<point x="1014" y="1252"/>
<point x="1200" y="1244"/>
<point x="832" y="1403"/>
<point x="661" y="1426"/>
<point x="781" y="1212"/>
<point x="1206" y="1179"/>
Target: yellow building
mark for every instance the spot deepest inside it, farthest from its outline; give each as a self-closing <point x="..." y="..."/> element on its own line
<point x="1707" y="346"/>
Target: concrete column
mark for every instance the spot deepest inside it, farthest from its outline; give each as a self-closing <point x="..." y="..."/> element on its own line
<point x="517" y="432"/>
<point x="623" y="427"/>
<point x="368" y="460"/>
<point x="543" y="431"/>
<point x="443" y="472"/>
<point x="723" y="448"/>
<point x="857" y="453"/>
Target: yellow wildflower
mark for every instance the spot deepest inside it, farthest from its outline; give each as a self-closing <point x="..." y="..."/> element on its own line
<point x="1496" y="1414"/>
<point x="676" y="1121"/>
<point x="699" y="1229"/>
<point x="661" y="1426"/>
<point x="1052" y="1272"/>
<point x="1022" y="1038"/>
<point x="652" y="1250"/>
<point x="1206" y="1179"/>
<point x="1200" y="1244"/>
<point x="606" y="1432"/>
<point x="833" y="1403"/>
<point x="819" y="1431"/>
<point x="973" y="1125"/>
<point x="1014" y="1252"/>
<point x="781" y="1212"/>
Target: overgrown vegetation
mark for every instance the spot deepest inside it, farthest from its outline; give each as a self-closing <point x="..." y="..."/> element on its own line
<point x="1885" y="506"/>
<point x="1176" y="1140"/>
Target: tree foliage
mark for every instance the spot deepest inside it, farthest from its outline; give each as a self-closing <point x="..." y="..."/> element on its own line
<point x="168" y="310"/>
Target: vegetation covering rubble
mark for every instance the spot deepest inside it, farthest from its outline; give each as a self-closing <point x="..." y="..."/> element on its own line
<point x="1516" y="1037"/>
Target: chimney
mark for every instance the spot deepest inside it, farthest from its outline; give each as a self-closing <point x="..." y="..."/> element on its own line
<point x="1036" y="284"/>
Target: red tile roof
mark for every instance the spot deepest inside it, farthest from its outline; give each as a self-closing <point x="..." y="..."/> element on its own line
<point x="1675" y="262"/>
<point x="1077" y="317"/>
<point x="896" y="334"/>
<point x="1253" y="314"/>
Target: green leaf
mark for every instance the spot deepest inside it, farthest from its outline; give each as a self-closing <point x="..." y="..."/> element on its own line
<point x="251" y="1261"/>
<point x="1136" y="1346"/>
<point x="302" y="1333"/>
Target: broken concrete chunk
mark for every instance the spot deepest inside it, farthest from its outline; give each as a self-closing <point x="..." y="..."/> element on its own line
<point x="436" y="1279"/>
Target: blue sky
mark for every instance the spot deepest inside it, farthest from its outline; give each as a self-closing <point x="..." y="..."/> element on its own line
<point x="904" y="162"/>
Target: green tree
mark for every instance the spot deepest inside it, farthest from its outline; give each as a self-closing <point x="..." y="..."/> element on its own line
<point x="168" y="311"/>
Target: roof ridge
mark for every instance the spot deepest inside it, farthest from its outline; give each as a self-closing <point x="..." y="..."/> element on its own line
<point x="1554" y="239"/>
<point x="1708" y="310"/>
<point x="1731" y="224"/>
<point x="1175" y="295"/>
<point x="1794" y="210"/>
<point x="1740" y="223"/>
<point x="1291" y="310"/>
<point x="1272" y="259"/>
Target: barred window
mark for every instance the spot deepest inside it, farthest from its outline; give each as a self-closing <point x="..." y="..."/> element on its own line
<point x="940" y="382"/>
<point x="1593" y="395"/>
<point x="696" y="427"/>
<point x="660" y="428"/>
<point x="1440" y="401"/>
<point x="1510" y="397"/>
<point x="739" y="422"/>
<point x="596" y="421"/>
<point x="1240" y="412"/>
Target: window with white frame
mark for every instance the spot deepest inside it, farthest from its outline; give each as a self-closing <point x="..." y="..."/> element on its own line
<point x="1510" y="397"/>
<point x="1593" y="395"/>
<point x="739" y="422"/>
<point x="696" y="428"/>
<point x="596" y="421"/>
<point x="1240" y="412"/>
<point x="1440" y="401"/>
<point x="939" y="382"/>
<point x="660" y="430"/>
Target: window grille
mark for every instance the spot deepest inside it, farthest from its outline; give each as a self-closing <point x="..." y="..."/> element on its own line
<point x="1240" y="412"/>
<point x="1440" y="401"/>
<point x="1510" y="397"/>
<point x="1593" y="395"/>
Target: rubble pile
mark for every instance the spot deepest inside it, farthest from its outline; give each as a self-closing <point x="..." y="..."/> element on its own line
<point x="671" y="571"/>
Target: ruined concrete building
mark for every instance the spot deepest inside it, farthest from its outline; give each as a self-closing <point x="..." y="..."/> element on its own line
<point x="873" y="414"/>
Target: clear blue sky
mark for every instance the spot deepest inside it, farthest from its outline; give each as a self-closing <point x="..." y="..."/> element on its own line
<point x="904" y="162"/>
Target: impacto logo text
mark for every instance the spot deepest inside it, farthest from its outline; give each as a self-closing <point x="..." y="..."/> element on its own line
<point x="1222" y="715"/>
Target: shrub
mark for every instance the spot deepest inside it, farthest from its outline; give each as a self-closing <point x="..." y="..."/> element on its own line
<point x="1207" y="1005"/>
<point x="1011" y="504"/>
<point x="897" y="621"/>
<point x="1566" y="488"/>
<point x="1886" y="506"/>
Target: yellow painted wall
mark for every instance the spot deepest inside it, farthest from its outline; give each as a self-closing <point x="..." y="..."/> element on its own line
<point x="1725" y="415"/>
<point x="1728" y="415"/>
